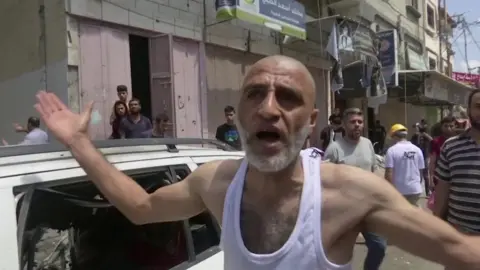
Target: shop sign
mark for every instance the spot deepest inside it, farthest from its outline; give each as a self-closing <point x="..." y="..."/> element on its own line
<point x="416" y="61"/>
<point x="388" y="55"/>
<point x="356" y="37"/>
<point x="472" y="80"/>
<point x="285" y="16"/>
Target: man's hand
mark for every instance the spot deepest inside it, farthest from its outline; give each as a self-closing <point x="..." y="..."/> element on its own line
<point x="19" y="128"/>
<point x="65" y="125"/>
<point x="4" y="142"/>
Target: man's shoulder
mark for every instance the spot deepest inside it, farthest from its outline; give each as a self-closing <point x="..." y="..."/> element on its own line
<point x="341" y="176"/>
<point x="219" y="170"/>
<point x="365" y="141"/>
<point x="222" y="126"/>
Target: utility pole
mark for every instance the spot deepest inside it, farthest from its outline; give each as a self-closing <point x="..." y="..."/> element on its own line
<point x="447" y="38"/>
<point x="440" y="34"/>
<point x="465" y="45"/>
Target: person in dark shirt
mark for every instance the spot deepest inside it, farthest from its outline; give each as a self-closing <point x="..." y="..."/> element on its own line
<point x="447" y="127"/>
<point x="120" y="110"/>
<point x="122" y="93"/>
<point x="161" y="127"/>
<point x="379" y="135"/>
<point x="135" y="125"/>
<point x="331" y="132"/>
<point x="336" y="113"/>
<point x="228" y="132"/>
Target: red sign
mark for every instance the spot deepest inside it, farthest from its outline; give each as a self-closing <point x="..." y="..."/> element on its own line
<point x="472" y="80"/>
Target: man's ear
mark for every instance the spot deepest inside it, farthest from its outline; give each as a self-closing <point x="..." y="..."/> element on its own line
<point x="313" y="118"/>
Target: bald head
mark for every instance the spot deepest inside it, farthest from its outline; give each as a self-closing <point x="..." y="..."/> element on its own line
<point x="276" y="112"/>
<point x="294" y="72"/>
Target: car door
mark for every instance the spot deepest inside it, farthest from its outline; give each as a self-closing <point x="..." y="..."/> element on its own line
<point x="28" y="207"/>
<point x="203" y="231"/>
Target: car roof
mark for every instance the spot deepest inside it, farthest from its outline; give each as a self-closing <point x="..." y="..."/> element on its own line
<point x="17" y="162"/>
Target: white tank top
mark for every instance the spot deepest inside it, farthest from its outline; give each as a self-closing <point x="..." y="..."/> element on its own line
<point x="303" y="249"/>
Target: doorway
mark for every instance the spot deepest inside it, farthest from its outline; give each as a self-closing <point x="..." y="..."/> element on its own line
<point x="140" y="72"/>
<point x="370" y="122"/>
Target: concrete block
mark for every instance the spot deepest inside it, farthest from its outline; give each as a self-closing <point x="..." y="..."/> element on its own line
<point x="126" y="4"/>
<point x="113" y="13"/>
<point x="146" y="8"/>
<point x="179" y="4"/>
<point x="184" y="32"/>
<point x="161" y="2"/>
<point x="140" y="21"/>
<point x="167" y="14"/>
<point x="195" y="7"/>
<point x="186" y="20"/>
<point x="86" y="8"/>
<point x="217" y="40"/>
<point x="163" y="27"/>
<point x="197" y="35"/>
<point x="237" y="43"/>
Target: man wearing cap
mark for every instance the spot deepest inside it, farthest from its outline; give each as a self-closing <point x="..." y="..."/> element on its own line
<point x="404" y="165"/>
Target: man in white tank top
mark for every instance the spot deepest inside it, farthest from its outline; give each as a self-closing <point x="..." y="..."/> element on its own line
<point x="279" y="208"/>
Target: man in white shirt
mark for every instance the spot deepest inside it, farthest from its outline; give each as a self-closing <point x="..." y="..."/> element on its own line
<point x="34" y="135"/>
<point x="404" y="165"/>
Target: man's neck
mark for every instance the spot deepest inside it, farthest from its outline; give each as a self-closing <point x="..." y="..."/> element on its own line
<point x="351" y="140"/>
<point x="135" y="116"/>
<point x="275" y="181"/>
<point x="475" y="134"/>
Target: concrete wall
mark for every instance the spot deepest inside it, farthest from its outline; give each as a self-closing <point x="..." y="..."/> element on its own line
<point x="33" y="56"/>
<point x="184" y="18"/>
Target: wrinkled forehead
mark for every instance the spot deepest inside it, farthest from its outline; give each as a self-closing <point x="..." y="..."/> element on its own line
<point x="279" y="74"/>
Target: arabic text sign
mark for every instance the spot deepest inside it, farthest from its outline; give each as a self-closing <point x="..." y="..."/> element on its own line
<point x="286" y="16"/>
<point x="387" y="54"/>
<point x="467" y="78"/>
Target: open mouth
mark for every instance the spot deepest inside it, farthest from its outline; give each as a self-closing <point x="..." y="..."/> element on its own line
<point x="268" y="136"/>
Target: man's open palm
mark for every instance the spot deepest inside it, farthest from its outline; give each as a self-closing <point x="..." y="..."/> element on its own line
<point x="63" y="123"/>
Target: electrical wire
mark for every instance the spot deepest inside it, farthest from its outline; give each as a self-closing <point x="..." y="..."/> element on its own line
<point x="472" y="37"/>
<point x="461" y="54"/>
<point x="404" y="16"/>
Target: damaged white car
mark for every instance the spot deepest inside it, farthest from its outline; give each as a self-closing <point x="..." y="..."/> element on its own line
<point x="53" y="217"/>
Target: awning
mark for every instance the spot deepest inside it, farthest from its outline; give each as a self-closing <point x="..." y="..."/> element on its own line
<point x="429" y="88"/>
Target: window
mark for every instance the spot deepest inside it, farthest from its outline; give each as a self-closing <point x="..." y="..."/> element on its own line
<point x="76" y="226"/>
<point x="431" y="16"/>
<point x="205" y="231"/>
<point x="414" y="4"/>
<point x="432" y="63"/>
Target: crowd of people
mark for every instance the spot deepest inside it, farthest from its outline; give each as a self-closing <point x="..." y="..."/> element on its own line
<point x="444" y="159"/>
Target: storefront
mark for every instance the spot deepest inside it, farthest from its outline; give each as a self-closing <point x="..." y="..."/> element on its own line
<point x="427" y="94"/>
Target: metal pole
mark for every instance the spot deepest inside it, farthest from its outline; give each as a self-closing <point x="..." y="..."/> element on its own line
<point x="440" y="35"/>
<point x="465" y="46"/>
<point x="203" y="75"/>
<point x="447" y="35"/>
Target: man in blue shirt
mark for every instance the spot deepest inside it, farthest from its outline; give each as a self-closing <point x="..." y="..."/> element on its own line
<point x="135" y="125"/>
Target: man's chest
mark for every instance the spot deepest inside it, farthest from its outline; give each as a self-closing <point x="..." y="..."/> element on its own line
<point x="357" y="158"/>
<point x="135" y="126"/>
<point x="267" y="226"/>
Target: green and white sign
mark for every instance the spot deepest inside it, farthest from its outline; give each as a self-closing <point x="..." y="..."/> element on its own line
<point x="285" y="16"/>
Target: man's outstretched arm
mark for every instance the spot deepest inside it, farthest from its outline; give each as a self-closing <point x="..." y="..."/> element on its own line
<point x="413" y="229"/>
<point x="173" y="202"/>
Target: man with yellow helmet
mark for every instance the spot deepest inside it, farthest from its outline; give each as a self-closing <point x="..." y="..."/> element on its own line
<point x="404" y="165"/>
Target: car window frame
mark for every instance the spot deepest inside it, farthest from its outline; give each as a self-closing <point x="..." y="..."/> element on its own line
<point x="194" y="258"/>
